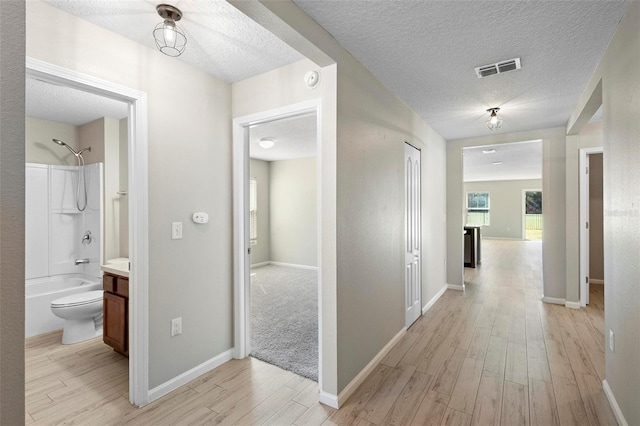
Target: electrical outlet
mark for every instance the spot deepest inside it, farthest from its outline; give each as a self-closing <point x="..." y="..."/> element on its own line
<point x="176" y="326"/>
<point x="612" y="341"/>
<point x="176" y="230"/>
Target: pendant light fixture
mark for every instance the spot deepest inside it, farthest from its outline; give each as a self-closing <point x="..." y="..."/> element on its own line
<point x="494" y="122"/>
<point x="170" y="38"/>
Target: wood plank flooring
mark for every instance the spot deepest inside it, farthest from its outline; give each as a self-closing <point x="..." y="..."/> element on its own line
<point x="494" y="355"/>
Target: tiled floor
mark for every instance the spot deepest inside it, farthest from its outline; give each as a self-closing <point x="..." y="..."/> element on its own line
<point x="492" y="355"/>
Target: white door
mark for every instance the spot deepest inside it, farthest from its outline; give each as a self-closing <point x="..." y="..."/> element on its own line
<point x="584" y="223"/>
<point x="413" y="242"/>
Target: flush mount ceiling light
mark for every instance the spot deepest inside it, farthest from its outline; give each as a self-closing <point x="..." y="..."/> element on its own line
<point x="494" y="122"/>
<point x="497" y="163"/>
<point x="170" y="38"/>
<point x="267" y="143"/>
<point x="488" y="151"/>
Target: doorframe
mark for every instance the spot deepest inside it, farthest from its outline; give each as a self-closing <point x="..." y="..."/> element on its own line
<point x="584" y="217"/>
<point x="138" y="209"/>
<point x="241" y="258"/>
<point x="524" y="211"/>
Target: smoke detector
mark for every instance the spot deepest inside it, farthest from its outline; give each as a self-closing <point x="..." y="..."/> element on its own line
<point x="498" y="68"/>
<point x="311" y="79"/>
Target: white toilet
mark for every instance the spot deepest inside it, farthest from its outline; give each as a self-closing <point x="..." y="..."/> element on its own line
<point x="82" y="313"/>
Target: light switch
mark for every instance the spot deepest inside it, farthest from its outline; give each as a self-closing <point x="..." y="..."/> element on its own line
<point x="176" y="230"/>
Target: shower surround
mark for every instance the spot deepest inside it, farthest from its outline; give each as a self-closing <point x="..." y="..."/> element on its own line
<point x="55" y="233"/>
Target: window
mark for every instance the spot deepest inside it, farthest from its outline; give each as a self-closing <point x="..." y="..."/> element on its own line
<point x="253" y="210"/>
<point x="477" y="208"/>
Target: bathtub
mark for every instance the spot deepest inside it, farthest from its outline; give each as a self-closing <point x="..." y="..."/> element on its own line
<point x="40" y="292"/>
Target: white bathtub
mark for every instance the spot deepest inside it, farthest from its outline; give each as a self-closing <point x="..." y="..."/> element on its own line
<point x="40" y="292"/>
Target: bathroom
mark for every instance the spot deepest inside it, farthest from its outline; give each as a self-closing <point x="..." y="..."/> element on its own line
<point x="76" y="208"/>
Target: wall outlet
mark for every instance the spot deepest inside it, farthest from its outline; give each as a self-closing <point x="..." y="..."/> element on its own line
<point x="176" y="230"/>
<point x="176" y="326"/>
<point x="612" y="341"/>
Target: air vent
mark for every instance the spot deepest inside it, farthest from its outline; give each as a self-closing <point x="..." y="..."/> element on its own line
<point x="498" y="68"/>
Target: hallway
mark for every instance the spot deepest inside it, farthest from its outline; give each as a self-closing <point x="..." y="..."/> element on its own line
<point x="492" y="355"/>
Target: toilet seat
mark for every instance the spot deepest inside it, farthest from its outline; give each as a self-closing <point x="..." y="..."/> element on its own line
<point x="78" y="299"/>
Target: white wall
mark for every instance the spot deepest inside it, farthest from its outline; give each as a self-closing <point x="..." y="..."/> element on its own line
<point x="39" y="146"/>
<point x="261" y="251"/>
<point x="553" y="190"/>
<point x="506" y="205"/>
<point x="293" y="211"/>
<point x="372" y="126"/>
<point x="617" y="75"/>
<point x="12" y="160"/>
<point x="124" y="186"/>
<point x="189" y="278"/>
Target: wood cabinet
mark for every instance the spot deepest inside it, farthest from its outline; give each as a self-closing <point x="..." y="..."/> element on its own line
<point x="115" y="331"/>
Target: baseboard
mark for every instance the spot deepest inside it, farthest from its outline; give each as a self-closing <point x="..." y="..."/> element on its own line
<point x="328" y="399"/>
<point x="187" y="376"/>
<point x="257" y="265"/>
<point x="455" y="287"/>
<point x="365" y="372"/>
<point x="572" y="305"/>
<point x="614" y="404"/>
<point x="502" y="238"/>
<point x="554" y="300"/>
<point x="433" y="300"/>
<point x="596" y="281"/>
<point x="293" y="265"/>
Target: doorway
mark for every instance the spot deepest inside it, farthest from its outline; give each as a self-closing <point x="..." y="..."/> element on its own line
<point x="242" y="227"/>
<point x="591" y="221"/>
<point x="532" y="215"/>
<point x="136" y="131"/>
<point x="283" y="239"/>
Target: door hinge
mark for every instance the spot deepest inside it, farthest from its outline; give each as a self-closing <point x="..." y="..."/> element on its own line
<point x="587" y="225"/>
<point x="586" y="280"/>
<point x="249" y="250"/>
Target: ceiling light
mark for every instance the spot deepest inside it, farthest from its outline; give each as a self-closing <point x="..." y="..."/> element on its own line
<point x="267" y="143"/>
<point x="497" y="163"/>
<point x="488" y="151"/>
<point x="170" y="38"/>
<point x="494" y="122"/>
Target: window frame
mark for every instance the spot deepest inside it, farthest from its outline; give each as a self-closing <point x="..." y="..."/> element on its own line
<point x="485" y="210"/>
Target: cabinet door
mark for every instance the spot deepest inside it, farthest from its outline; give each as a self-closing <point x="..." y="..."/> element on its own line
<point x="114" y="331"/>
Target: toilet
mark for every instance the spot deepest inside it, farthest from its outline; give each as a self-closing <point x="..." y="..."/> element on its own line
<point x="82" y="313"/>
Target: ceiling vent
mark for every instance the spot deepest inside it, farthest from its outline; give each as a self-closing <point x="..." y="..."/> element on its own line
<point x="498" y="68"/>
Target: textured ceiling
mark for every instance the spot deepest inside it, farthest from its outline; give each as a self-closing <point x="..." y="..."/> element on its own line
<point x="294" y="138"/>
<point x="521" y="160"/>
<point x="66" y="105"/>
<point x="426" y="51"/>
<point x="220" y="39"/>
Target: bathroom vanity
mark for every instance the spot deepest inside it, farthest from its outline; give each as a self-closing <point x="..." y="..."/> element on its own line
<point x="116" y="306"/>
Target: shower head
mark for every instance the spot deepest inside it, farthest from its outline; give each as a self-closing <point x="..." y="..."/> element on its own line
<point x="73" y="151"/>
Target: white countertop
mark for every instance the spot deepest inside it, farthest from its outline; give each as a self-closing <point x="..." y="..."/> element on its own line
<point x="119" y="266"/>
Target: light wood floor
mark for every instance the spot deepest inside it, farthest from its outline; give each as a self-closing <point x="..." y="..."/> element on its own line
<point x="492" y="355"/>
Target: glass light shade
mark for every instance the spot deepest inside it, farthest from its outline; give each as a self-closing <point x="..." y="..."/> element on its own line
<point x="266" y="143"/>
<point x="170" y="38"/>
<point x="494" y="122"/>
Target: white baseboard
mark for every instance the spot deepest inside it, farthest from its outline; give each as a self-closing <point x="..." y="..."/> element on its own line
<point x="554" y="300"/>
<point x="363" y="374"/>
<point x="257" y="265"/>
<point x="596" y="281"/>
<point x="293" y="265"/>
<point x="572" y="305"/>
<point x="455" y="287"/>
<point x="189" y="375"/>
<point x="328" y="399"/>
<point x="614" y="404"/>
<point x="433" y="300"/>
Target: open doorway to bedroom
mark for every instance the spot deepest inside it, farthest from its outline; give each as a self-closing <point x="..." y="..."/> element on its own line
<point x="283" y="240"/>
